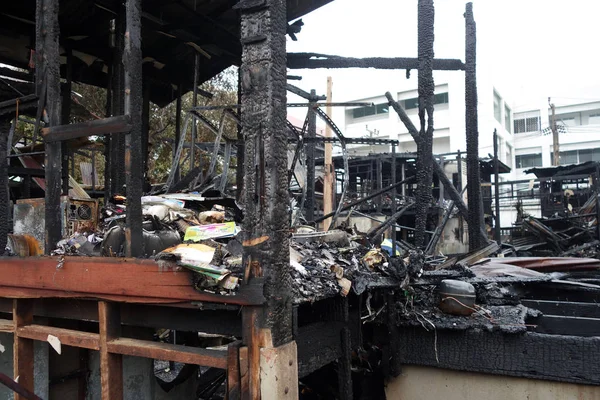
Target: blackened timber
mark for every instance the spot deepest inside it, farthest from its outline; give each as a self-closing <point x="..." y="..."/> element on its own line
<point x="105" y="126"/>
<point x="117" y="143"/>
<point x="315" y="60"/>
<point x="66" y="117"/>
<point x="49" y="46"/>
<point x="437" y="169"/>
<point x="426" y="99"/>
<point x="4" y="196"/>
<point x="132" y="61"/>
<point x="530" y="355"/>
<point x="263" y="81"/>
<point x="369" y="197"/>
<point x="305" y="95"/>
<point x="311" y="132"/>
<point x="9" y="106"/>
<point x="496" y="192"/>
<point x="475" y="216"/>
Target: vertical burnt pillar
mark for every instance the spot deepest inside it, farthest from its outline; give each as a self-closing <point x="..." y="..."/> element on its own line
<point x="145" y="129"/>
<point x="48" y="62"/>
<point x="117" y="142"/>
<point x="394" y="195"/>
<point x="311" y="133"/>
<point x="4" y="196"/>
<point x="66" y="118"/>
<point x="239" y="173"/>
<point x="475" y="214"/>
<point x="426" y="98"/>
<point x="266" y="216"/>
<point x="132" y="61"/>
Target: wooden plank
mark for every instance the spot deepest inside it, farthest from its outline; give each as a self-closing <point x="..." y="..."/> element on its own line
<point x="233" y="371"/>
<point x="565" y="308"/>
<point x="111" y="365"/>
<point x="105" y="126"/>
<point x="168" y="352"/>
<point x="6" y="325"/>
<point x="244" y="373"/>
<point x="103" y="277"/>
<point x="67" y="337"/>
<point x="23" y="348"/>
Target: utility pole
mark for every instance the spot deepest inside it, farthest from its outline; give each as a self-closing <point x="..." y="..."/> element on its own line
<point x="555" y="152"/>
<point x="328" y="178"/>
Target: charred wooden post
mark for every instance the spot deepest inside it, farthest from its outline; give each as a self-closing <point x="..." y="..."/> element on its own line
<point x="66" y="117"/>
<point x="475" y="218"/>
<point x="459" y="187"/>
<point x="145" y="128"/>
<point x="380" y="183"/>
<point x="195" y="103"/>
<point x="496" y="192"/>
<point x="132" y="61"/>
<point x="4" y="194"/>
<point x="48" y="53"/>
<point x="106" y="140"/>
<point x="311" y="132"/>
<point x="266" y="219"/>
<point x="239" y="173"/>
<point x="394" y="192"/>
<point x="117" y="144"/>
<point x="426" y="99"/>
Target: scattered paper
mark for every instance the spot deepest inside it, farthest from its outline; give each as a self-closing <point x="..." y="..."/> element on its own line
<point x="55" y="343"/>
<point x="212" y="231"/>
<point x="2" y="348"/>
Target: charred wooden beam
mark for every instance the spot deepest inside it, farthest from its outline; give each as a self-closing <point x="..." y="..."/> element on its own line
<point x="315" y="60"/>
<point x="426" y="99"/>
<point x="106" y="126"/>
<point x="9" y="106"/>
<point x="66" y="117"/>
<point x="311" y="132"/>
<point x="437" y="169"/>
<point x="132" y="62"/>
<point x="305" y="95"/>
<point x="5" y="126"/>
<point x="475" y="216"/>
<point x="117" y="143"/>
<point x="47" y="43"/>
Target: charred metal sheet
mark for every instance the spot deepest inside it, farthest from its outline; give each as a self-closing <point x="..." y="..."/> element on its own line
<point x="315" y="60"/>
<point x="475" y="216"/>
<point x="263" y="82"/>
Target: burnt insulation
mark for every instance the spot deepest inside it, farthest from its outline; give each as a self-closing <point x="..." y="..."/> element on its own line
<point x="426" y="100"/>
<point x="266" y="217"/>
<point x="475" y="214"/>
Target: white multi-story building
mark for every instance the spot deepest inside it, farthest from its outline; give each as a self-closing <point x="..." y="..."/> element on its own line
<point x="578" y="127"/>
<point x="494" y="112"/>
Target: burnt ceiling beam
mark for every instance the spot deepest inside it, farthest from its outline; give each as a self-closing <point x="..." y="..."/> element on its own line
<point x="316" y="60"/>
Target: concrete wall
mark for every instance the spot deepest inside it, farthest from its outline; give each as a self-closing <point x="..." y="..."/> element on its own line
<point x="425" y="383"/>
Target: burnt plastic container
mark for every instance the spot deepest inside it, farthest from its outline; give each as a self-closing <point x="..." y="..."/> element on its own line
<point x="457" y="297"/>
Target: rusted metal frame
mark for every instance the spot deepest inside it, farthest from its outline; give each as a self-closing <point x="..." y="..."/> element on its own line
<point x="194" y="104"/>
<point x="47" y="43"/>
<point x="369" y="197"/>
<point x="330" y="122"/>
<point x="5" y="127"/>
<point x="440" y="228"/>
<point x="475" y="213"/>
<point x="105" y="126"/>
<point x="311" y="132"/>
<point x="132" y="61"/>
<point x="437" y="170"/>
<point x="297" y="151"/>
<point x="175" y="163"/>
<point x="226" y="161"/>
<point x="315" y="60"/>
<point x="426" y="14"/>
<point x="17" y="388"/>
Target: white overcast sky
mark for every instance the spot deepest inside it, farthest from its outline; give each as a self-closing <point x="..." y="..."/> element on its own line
<point x="532" y="47"/>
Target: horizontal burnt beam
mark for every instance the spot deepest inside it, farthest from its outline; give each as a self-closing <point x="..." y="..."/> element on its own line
<point x="313" y="61"/>
<point x="531" y="355"/>
<point x="105" y="126"/>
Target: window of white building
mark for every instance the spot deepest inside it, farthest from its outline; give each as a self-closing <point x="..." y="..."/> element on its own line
<point x="507" y="114"/>
<point x="527" y="122"/>
<point x="497" y="107"/>
<point x="528" y="160"/>
<point x="594" y="119"/>
<point x="440" y="98"/>
<point x="367" y="111"/>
